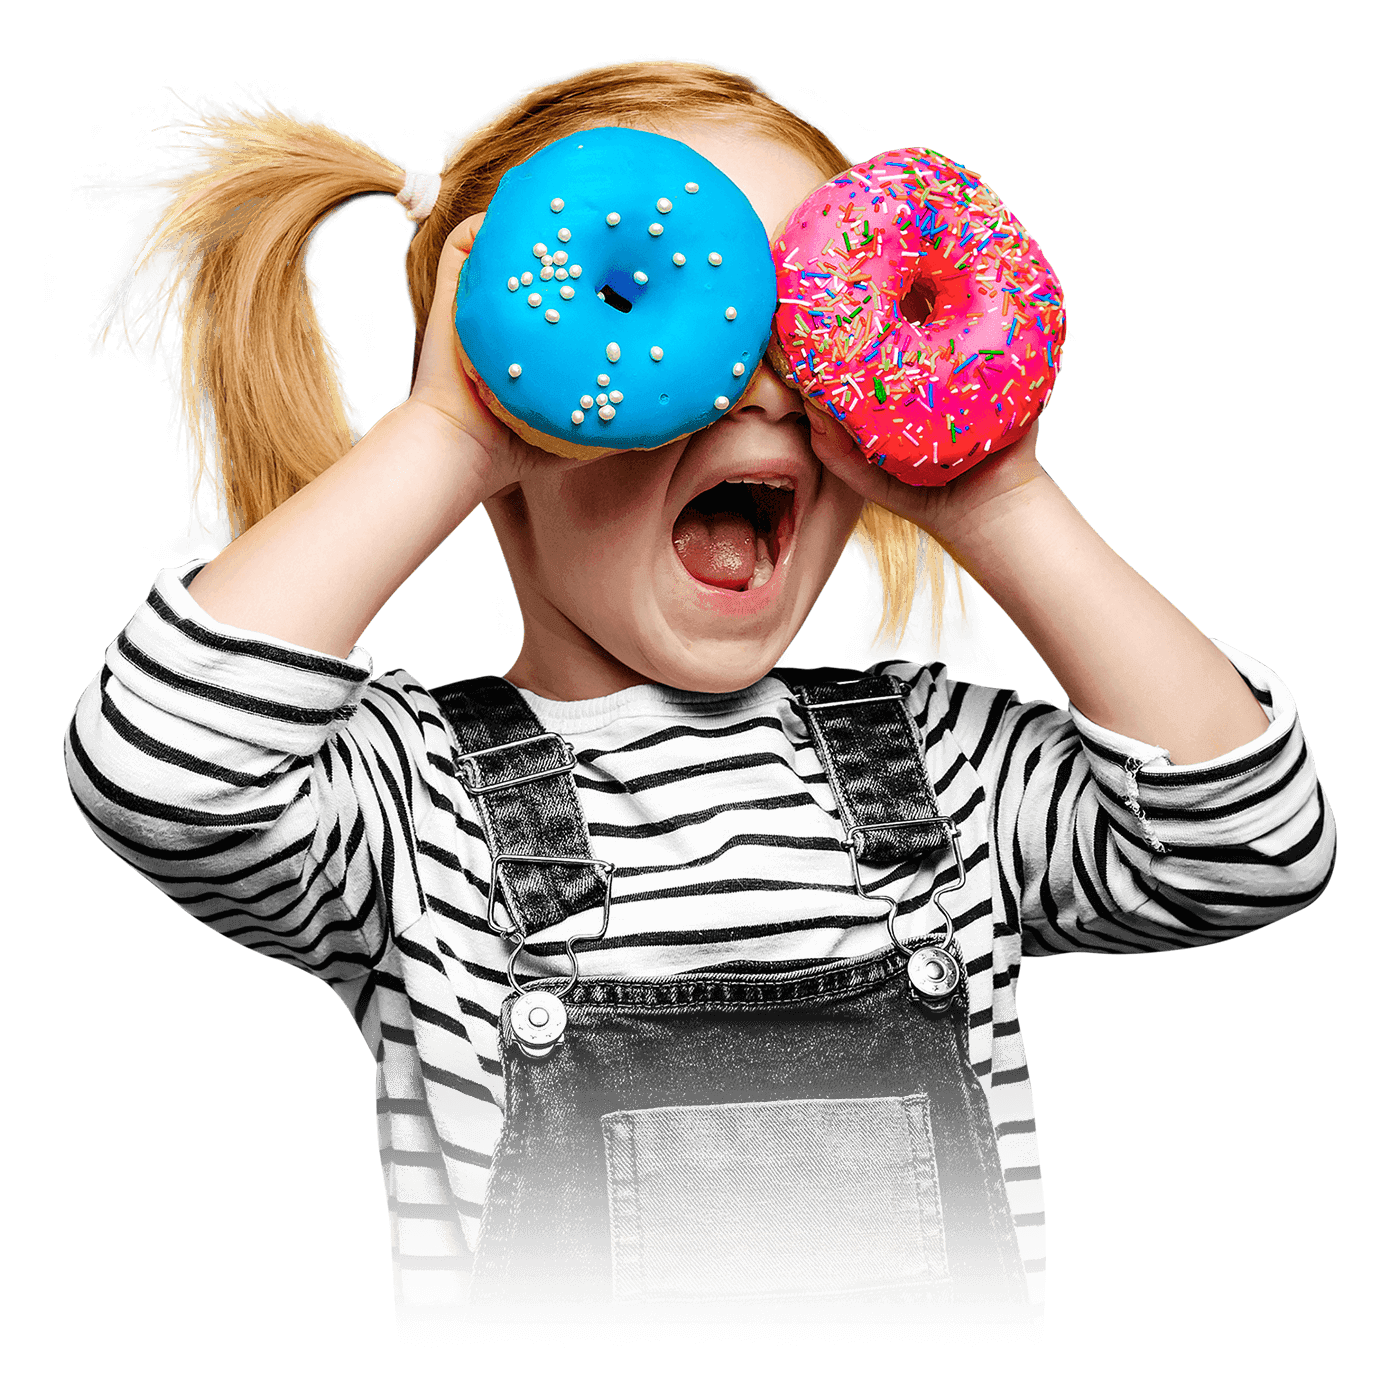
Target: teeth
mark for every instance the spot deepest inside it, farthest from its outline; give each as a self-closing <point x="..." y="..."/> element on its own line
<point x="779" y="483"/>
<point x="763" y="566"/>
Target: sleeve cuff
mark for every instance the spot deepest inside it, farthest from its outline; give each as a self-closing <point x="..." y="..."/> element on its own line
<point x="244" y="684"/>
<point x="1220" y="799"/>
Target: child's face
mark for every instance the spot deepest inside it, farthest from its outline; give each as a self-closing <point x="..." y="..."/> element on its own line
<point x="596" y="553"/>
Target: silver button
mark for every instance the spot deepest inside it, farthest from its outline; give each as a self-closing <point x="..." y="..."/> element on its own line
<point x="537" y="1021"/>
<point x="934" y="975"/>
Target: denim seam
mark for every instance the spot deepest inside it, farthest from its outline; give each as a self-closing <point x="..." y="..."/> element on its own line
<point x="987" y="1167"/>
<point x="923" y="1173"/>
<point x="624" y="1209"/>
<point x="491" y="1211"/>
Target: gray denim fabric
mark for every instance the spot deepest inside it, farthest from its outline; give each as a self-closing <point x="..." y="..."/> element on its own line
<point x="792" y="1198"/>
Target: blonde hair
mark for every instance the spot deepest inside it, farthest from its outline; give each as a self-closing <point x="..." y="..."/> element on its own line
<point x="258" y="384"/>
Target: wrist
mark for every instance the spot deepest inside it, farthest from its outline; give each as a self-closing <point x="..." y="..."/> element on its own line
<point x="442" y="445"/>
<point x="982" y="513"/>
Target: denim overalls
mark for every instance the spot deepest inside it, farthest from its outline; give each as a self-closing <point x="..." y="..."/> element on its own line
<point x="772" y="1137"/>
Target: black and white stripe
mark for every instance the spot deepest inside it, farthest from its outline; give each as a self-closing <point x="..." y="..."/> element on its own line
<point x="294" y="805"/>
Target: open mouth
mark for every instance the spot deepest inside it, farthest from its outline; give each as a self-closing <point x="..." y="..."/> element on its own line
<point x="733" y="535"/>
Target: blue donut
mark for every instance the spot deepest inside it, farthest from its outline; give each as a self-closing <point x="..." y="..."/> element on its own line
<point x="620" y="292"/>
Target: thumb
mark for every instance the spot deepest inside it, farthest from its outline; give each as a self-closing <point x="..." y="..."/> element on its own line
<point x="454" y="254"/>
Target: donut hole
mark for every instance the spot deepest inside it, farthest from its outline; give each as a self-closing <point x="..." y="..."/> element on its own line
<point x="919" y="304"/>
<point x="608" y="293"/>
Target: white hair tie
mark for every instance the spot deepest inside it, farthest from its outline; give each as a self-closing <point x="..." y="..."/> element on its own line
<point x="419" y="194"/>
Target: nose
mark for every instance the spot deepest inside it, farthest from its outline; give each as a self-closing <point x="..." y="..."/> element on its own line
<point x="769" y="395"/>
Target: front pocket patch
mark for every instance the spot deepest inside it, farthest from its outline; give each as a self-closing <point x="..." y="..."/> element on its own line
<point x="796" y="1198"/>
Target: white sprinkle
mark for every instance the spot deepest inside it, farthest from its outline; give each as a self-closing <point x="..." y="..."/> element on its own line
<point x="656" y="230"/>
<point x="575" y="270"/>
<point x="601" y="297"/>
<point x="561" y="257"/>
<point x="546" y="261"/>
<point x="604" y="381"/>
<point x="691" y="187"/>
<point x="730" y="313"/>
<point x="526" y="278"/>
<point x="614" y="351"/>
<point x="657" y="352"/>
<point x="715" y="259"/>
<point x="577" y="415"/>
<point x="614" y="220"/>
<point x="721" y="403"/>
<point x="586" y="401"/>
<point x="551" y="315"/>
<point x="616" y="396"/>
<point x="663" y="206"/>
<point x="739" y="368"/>
<point x="640" y="278"/>
<point x="539" y="250"/>
<point x="567" y="293"/>
<point x="513" y="284"/>
<point x="606" y="412"/>
<point x="547" y="273"/>
<point x="513" y="371"/>
<point x="678" y="259"/>
<point x="556" y="204"/>
<point x="535" y="298"/>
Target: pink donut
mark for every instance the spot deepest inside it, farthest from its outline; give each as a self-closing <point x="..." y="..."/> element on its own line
<point x="914" y="306"/>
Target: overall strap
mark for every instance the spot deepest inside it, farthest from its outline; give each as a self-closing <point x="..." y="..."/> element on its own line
<point x="520" y="777"/>
<point x="874" y="761"/>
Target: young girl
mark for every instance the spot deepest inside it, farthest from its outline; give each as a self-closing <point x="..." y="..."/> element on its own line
<point x="237" y="750"/>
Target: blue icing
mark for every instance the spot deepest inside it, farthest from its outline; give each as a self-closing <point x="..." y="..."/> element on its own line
<point x="681" y="309"/>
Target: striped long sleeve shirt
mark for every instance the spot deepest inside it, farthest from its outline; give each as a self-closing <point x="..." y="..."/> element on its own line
<point x="295" y="803"/>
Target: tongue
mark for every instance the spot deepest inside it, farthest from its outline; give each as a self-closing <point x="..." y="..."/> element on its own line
<point x="719" y="549"/>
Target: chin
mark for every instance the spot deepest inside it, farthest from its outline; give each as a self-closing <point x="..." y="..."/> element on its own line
<point x="711" y="665"/>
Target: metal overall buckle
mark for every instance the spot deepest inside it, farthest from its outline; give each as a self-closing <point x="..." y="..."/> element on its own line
<point x="935" y="970"/>
<point x="469" y="771"/>
<point x="538" y="1018"/>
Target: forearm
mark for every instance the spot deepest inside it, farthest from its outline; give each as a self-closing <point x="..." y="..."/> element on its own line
<point x="317" y="569"/>
<point x="1126" y="657"/>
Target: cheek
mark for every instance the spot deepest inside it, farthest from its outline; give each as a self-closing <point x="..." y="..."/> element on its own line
<point x="614" y="494"/>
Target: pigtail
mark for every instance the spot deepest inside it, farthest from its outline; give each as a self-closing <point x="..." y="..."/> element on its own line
<point x="913" y="574"/>
<point x="258" y="384"/>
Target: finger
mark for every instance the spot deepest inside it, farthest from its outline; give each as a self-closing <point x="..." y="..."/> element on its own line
<point x="833" y="445"/>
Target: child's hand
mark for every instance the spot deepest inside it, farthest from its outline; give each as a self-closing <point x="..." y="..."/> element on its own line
<point x="443" y="385"/>
<point x="941" y="510"/>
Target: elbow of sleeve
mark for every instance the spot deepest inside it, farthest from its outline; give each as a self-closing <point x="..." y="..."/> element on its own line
<point x="153" y="799"/>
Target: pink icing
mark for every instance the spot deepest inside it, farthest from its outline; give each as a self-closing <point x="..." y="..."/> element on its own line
<point x="965" y="367"/>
